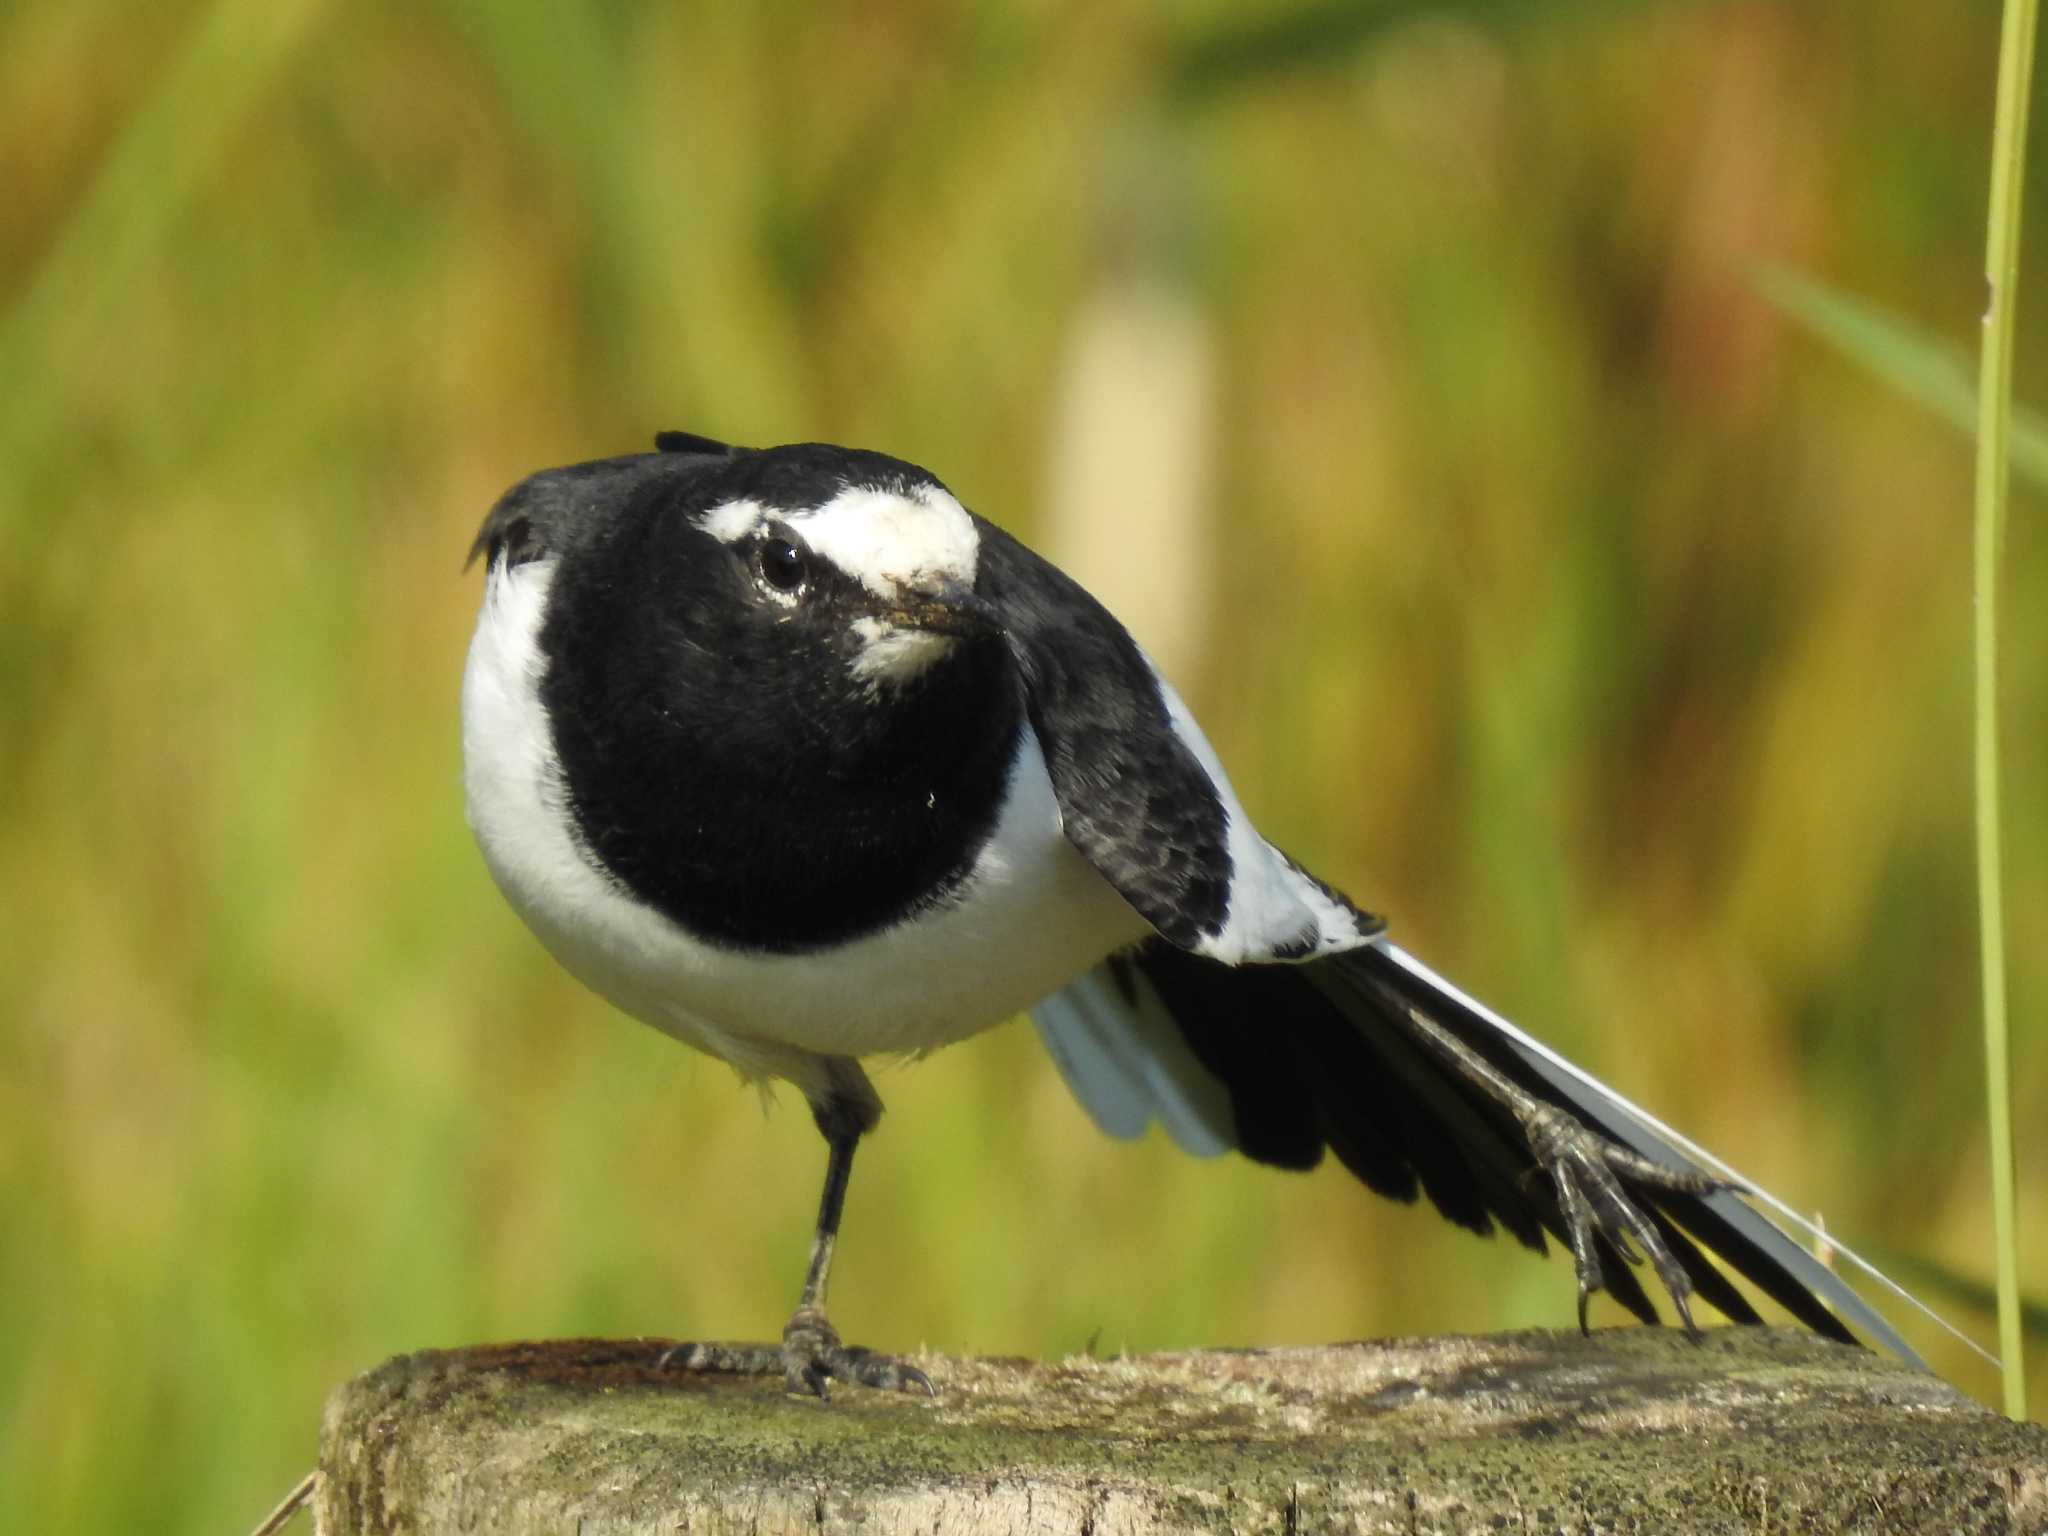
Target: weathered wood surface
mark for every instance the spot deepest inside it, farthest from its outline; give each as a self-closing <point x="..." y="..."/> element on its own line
<point x="1635" y="1430"/>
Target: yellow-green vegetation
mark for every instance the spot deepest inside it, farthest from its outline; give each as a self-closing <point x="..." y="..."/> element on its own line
<point x="1994" y="448"/>
<point x="1561" y="598"/>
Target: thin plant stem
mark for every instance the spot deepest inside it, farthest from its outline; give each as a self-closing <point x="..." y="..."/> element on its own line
<point x="1994" y="431"/>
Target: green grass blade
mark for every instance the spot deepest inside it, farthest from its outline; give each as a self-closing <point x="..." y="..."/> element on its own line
<point x="1918" y="367"/>
<point x="1994" y="430"/>
<point x="1258" y="51"/>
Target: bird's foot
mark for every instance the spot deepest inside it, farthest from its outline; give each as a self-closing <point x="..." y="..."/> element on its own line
<point x="809" y="1357"/>
<point x="1587" y="1169"/>
<point x="812" y="1355"/>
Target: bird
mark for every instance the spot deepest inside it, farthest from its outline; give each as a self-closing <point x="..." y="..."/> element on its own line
<point x="788" y="754"/>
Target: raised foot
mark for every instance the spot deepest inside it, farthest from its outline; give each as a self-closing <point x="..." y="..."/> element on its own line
<point x="1586" y="1169"/>
<point x="809" y="1357"/>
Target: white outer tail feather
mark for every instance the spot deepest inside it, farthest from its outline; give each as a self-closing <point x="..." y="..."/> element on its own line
<point x="1130" y="1065"/>
<point x="1573" y="1081"/>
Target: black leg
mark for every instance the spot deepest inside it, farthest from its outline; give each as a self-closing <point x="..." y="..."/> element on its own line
<point x="811" y="1354"/>
<point x="842" y="1135"/>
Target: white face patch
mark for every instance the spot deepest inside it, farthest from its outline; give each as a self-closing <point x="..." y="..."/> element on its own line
<point x="893" y="655"/>
<point x="731" y="521"/>
<point x="893" y="541"/>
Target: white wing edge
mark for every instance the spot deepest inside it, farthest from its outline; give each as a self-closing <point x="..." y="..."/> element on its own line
<point x="1274" y="909"/>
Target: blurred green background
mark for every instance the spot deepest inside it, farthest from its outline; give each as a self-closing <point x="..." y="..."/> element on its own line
<point x="1397" y="368"/>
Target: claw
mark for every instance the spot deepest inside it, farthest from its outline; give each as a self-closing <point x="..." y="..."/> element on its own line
<point x="884" y="1372"/>
<point x="1692" y="1329"/>
<point x="809" y="1359"/>
<point x="812" y="1356"/>
<point x="1586" y="1170"/>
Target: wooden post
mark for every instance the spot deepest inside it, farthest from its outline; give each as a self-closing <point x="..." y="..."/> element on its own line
<point x="1751" y="1430"/>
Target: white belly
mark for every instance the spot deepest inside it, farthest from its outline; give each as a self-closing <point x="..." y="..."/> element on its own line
<point x="1031" y="915"/>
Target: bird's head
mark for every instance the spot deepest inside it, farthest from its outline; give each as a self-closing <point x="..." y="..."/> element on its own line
<point x="846" y="559"/>
<point x="792" y="600"/>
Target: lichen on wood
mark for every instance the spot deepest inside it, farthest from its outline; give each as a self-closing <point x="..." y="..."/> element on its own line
<point x="1748" y="1430"/>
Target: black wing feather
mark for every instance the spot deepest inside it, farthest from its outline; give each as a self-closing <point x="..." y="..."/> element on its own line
<point x="1133" y="798"/>
<point x="1719" y="1221"/>
<point x="1323" y="1056"/>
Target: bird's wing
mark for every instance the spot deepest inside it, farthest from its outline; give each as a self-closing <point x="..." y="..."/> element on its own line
<point x="1272" y="1016"/>
<point x="1288" y="1062"/>
<point x="1141" y="792"/>
<point x="1129" y="1062"/>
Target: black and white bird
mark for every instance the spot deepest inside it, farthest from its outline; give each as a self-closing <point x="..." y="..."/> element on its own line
<point x="789" y="755"/>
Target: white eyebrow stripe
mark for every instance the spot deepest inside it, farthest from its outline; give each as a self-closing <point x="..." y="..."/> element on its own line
<point x="891" y="539"/>
<point x="731" y="521"/>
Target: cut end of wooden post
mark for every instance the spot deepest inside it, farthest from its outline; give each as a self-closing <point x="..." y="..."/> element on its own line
<point x="1748" y="1429"/>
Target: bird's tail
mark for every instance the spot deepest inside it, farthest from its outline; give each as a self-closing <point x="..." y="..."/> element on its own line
<point x="1722" y="1221"/>
<point x="1339" y="1054"/>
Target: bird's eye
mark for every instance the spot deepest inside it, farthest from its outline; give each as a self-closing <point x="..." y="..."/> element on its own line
<point x="783" y="566"/>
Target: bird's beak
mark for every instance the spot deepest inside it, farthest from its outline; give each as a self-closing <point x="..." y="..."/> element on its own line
<point x="948" y="608"/>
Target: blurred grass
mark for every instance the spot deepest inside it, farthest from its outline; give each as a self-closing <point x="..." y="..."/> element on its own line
<point x="1567" y="605"/>
<point x="1936" y="377"/>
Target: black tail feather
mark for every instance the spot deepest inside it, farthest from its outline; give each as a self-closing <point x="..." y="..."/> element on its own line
<point x="1324" y="1055"/>
<point x="1302" y="1079"/>
<point x="1746" y="1258"/>
<point x="1712" y="1286"/>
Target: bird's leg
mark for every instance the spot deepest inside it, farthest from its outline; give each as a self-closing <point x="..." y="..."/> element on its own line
<point x="811" y="1354"/>
<point x="811" y="1351"/>
<point x="1586" y="1169"/>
